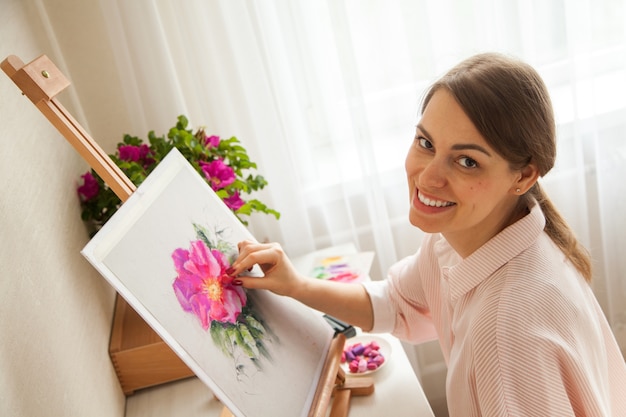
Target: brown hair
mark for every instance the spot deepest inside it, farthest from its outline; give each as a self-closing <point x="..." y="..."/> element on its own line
<point x="509" y="104"/>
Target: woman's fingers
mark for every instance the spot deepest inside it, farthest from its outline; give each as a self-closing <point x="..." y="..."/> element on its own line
<point x="279" y="274"/>
<point x="266" y="255"/>
<point x="252" y="283"/>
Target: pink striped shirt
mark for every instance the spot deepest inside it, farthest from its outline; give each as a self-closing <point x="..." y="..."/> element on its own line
<point x="520" y="329"/>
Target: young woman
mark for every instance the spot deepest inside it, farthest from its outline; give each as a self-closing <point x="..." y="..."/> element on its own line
<point x="500" y="279"/>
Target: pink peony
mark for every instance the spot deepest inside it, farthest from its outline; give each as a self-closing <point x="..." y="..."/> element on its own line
<point x="203" y="287"/>
<point x="90" y="187"/>
<point x="234" y="202"/>
<point x="211" y="141"/>
<point x="218" y="174"/>
<point x="134" y="153"/>
<point x="129" y="153"/>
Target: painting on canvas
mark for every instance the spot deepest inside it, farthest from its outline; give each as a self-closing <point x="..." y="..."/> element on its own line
<point x="166" y="251"/>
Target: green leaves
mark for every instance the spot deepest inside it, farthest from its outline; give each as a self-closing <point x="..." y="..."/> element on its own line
<point x="255" y="205"/>
<point x="248" y="336"/>
<point x="138" y="159"/>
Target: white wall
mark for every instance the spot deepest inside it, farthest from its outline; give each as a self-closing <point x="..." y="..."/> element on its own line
<point x="55" y="309"/>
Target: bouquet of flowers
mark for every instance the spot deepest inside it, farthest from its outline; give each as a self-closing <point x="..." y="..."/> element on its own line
<point x="224" y="163"/>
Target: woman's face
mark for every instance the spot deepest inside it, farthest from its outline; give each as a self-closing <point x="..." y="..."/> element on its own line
<point x="459" y="186"/>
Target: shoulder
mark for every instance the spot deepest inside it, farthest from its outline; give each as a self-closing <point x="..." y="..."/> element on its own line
<point x="534" y="299"/>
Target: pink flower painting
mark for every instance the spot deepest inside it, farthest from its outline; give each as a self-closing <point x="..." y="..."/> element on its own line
<point x="203" y="287"/>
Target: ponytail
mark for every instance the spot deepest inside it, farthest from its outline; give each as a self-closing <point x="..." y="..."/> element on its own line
<point x="561" y="234"/>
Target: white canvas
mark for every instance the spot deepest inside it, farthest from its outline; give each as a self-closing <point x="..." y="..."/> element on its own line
<point x="134" y="252"/>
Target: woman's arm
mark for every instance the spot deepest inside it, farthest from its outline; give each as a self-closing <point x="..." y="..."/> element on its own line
<point x="347" y="302"/>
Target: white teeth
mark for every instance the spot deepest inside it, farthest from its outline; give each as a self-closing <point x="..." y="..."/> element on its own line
<point x="433" y="203"/>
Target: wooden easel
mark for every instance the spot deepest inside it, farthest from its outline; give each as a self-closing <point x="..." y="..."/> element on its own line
<point x="333" y="382"/>
<point x="40" y="80"/>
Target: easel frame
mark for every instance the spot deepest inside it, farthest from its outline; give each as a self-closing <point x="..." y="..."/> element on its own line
<point x="40" y="80"/>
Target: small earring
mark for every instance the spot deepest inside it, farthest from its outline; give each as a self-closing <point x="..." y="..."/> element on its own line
<point x="517" y="190"/>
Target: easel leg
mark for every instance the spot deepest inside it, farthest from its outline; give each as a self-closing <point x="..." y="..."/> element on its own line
<point x="341" y="403"/>
<point x="351" y="387"/>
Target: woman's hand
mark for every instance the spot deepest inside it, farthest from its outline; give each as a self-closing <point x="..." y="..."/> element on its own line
<point x="347" y="302"/>
<point x="280" y="275"/>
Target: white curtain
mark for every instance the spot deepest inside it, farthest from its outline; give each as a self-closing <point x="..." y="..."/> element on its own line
<point x="324" y="94"/>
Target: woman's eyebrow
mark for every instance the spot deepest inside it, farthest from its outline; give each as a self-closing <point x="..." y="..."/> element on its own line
<point x="421" y="127"/>
<point x="458" y="146"/>
<point x="464" y="146"/>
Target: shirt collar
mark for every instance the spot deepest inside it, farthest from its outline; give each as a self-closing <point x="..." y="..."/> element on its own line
<point x="499" y="250"/>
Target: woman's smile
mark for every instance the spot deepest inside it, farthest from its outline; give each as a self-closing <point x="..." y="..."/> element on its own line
<point x="430" y="205"/>
<point x="432" y="201"/>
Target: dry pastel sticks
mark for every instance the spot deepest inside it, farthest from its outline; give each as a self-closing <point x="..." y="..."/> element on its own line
<point x="362" y="357"/>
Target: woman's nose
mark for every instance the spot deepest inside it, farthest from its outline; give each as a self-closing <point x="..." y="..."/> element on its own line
<point x="434" y="174"/>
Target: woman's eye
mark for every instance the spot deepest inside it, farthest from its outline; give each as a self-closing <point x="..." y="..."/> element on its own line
<point x="467" y="162"/>
<point x="424" y="143"/>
